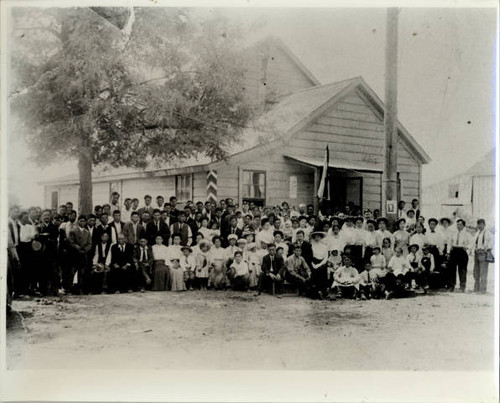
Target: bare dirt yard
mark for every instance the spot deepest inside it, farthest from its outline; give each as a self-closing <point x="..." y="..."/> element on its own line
<point x="233" y="330"/>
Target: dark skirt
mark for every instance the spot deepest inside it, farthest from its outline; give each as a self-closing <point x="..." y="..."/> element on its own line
<point x="161" y="280"/>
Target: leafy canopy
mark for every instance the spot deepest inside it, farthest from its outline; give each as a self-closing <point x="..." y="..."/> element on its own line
<point x="170" y="89"/>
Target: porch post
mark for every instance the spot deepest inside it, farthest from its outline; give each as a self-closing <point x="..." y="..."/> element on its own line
<point x="317" y="176"/>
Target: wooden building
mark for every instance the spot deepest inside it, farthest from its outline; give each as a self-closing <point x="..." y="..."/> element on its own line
<point x="281" y="158"/>
<point x="470" y="194"/>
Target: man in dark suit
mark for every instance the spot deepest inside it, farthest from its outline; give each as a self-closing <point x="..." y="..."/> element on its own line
<point x="157" y="227"/>
<point x="231" y="229"/>
<point x="147" y="206"/>
<point x="273" y="268"/>
<point x="80" y="245"/>
<point x="47" y="256"/>
<point x="116" y="226"/>
<point x="123" y="274"/>
<point x="104" y="227"/>
<point x="190" y="220"/>
<point x="183" y="229"/>
<point x="143" y="259"/>
<point x="133" y="230"/>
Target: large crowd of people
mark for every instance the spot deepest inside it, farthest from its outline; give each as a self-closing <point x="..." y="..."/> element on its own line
<point x="125" y="247"/>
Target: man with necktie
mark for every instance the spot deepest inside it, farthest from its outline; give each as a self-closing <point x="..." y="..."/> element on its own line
<point x="482" y="244"/>
<point x="80" y="244"/>
<point x="273" y="268"/>
<point x="157" y="227"/>
<point x="143" y="259"/>
<point x="49" y="277"/>
<point x="459" y="258"/>
<point x="123" y="274"/>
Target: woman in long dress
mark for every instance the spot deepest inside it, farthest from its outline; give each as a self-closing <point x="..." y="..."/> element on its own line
<point x="176" y="275"/>
<point x="319" y="272"/>
<point x="217" y="278"/>
<point x="161" y="280"/>
<point x="401" y="236"/>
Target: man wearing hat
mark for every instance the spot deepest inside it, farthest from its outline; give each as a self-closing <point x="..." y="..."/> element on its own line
<point x="459" y="256"/>
<point x="482" y="244"/>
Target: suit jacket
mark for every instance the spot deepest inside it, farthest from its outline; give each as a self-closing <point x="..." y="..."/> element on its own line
<point x="122" y="258"/>
<point x="128" y="231"/>
<point x="99" y="230"/>
<point x="152" y="232"/>
<point x="82" y="239"/>
<point x="11" y="231"/>
<point x="149" y="209"/>
<point x="137" y="255"/>
<point x="192" y="224"/>
<point x="277" y="266"/>
<point x="48" y="235"/>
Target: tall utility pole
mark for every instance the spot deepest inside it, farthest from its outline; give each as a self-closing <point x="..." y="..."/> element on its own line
<point x="390" y="117"/>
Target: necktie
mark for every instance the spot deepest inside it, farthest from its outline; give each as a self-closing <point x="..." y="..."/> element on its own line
<point x="368" y="273"/>
<point x="158" y="226"/>
<point x="272" y="260"/>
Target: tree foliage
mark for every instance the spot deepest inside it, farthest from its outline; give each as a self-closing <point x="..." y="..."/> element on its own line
<point x="170" y="90"/>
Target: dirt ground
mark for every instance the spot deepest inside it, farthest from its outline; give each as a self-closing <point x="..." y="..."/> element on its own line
<point x="234" y="330"/>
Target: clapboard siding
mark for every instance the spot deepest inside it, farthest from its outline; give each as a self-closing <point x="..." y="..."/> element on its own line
<point x="164" y="186"/>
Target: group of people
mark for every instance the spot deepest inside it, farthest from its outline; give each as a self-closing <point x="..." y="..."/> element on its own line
<point x="125" y="247"/>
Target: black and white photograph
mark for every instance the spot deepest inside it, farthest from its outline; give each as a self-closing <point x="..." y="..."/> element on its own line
<point x="218" y="188"/>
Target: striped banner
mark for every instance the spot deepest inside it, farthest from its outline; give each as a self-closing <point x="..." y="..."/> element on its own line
<point x="212" y="186"/>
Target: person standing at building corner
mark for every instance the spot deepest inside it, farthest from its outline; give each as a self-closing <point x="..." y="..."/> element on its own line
<point x="482" y="245"/>
<point x="415" y="208"/>
<point x="401" y="209"/>
<point x="459" y="257"/>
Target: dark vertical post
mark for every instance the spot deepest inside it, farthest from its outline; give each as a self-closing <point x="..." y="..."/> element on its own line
<point x="390" y="115"/>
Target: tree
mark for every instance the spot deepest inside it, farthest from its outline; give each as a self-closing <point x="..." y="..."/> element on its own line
<point x="168" y="88"/>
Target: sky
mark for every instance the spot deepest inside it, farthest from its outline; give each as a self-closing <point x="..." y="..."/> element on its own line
<point x="446" y="78"/>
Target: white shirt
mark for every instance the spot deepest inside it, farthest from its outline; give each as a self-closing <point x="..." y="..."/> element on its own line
<point x="335" y="242"/>
<point x="482" y="240"/>
<point x="27" y="232"/>
<point x="103" y="249"/>
<point x="418" y="239"/>
<point x="160" y="252"/>
<point x="240" y="269"/>
<point x="174" y="252"/>
<point x="461" y="239"/>
<point x="126" y="213"/>
<point x="398" y="265"/>
<point x="349" y="235"/>
<point x="435" y="239"/>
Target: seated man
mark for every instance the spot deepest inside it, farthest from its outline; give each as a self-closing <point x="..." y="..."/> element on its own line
<point x="239" y="273"/>
<point x="271" y="270"/>
<point x="346" y="279"/>
<point x="100" y="265"/>
<point x="123" y="274"/>
<point x="297" y="270"/>
<point x="143" y="259"/>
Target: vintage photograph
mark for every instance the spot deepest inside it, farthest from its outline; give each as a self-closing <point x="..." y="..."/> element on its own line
<point x="250" y="188"/>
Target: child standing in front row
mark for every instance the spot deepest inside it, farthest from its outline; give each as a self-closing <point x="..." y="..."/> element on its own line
<point x="202" y="265"/>
<point x="188" y="264"/>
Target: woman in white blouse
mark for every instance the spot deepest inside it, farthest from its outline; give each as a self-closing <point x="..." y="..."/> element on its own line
<point x="319" y="272"/>
<point x="161" y="280"/>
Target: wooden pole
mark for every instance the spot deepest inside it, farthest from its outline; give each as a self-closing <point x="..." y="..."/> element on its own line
<point x="390" y="115"/>
<point x="317" y="176"/>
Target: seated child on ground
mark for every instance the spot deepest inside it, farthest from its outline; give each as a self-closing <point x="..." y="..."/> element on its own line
<point x="346" y="279"/>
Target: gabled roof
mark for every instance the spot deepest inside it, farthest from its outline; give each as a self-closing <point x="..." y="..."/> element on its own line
<point x="486" y="166"/>
<point x="290" y="114"/>
<point x="280" y="44"/>
<point x="294" y="111"/>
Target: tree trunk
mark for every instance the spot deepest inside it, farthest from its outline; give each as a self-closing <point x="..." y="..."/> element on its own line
<point x="85" y="173"/>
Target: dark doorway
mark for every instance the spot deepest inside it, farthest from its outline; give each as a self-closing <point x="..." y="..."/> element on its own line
<point x="346" y="194"/>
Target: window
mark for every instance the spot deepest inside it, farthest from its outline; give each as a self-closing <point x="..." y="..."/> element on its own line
<point x="453" y="191"/>
<point x="54" y="200"/>
<point x="254" y="185"/>
<point x="183" y="188"/>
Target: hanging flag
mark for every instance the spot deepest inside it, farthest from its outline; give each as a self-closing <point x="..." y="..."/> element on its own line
<point x="322" y="183"/>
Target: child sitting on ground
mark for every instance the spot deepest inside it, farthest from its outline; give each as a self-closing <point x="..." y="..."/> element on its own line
<point x="238" y="273"/>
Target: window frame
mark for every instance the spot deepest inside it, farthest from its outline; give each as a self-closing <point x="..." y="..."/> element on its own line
<point x="253" y="199"/>
<point x="181" y="188"/>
